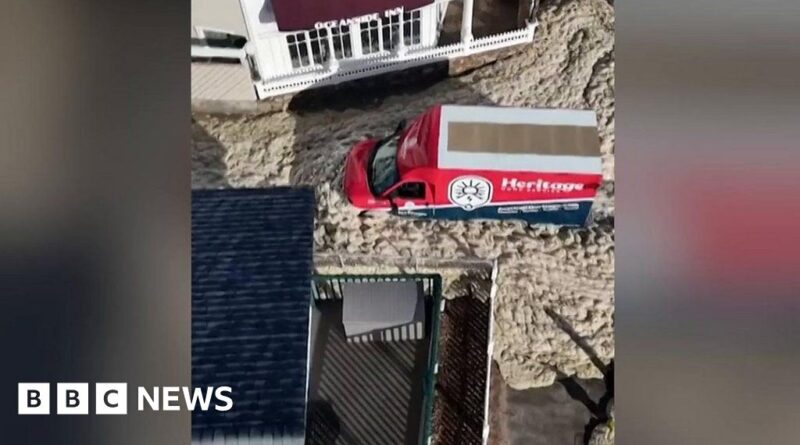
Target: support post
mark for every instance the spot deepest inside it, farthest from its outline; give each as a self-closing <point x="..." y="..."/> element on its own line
<point x="333" y="64"/>
<point x="248" y="59"/>
<point x="256" y="54"/>
<point x="308" y="48"/>
<point x="466" y="21"/>
<point x="401" y="45"/>
<point x="355" y="40"/>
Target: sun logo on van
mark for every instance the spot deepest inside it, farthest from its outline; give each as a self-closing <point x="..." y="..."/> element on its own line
<point x="470" y="192"/>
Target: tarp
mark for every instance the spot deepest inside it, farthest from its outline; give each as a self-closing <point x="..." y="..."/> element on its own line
<point x="295" y="15"/>
<point x="375" y="306"/>
<point x="523" y="139"/>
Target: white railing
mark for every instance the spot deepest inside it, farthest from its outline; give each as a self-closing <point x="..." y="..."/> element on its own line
<point x="384" y="63"/>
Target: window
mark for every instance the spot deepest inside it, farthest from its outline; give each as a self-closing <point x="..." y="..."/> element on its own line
<point x="391" y="32"/>
<point x="342" y="47"/>
<point x="370" y="38"/>
<point x="383" y="174"/>
<point x="298" y="50"/>
<point x="389" y="36"/>
<point x="315" y="42"/>
<point x="319" y="45"/>
<point x="411" y="190"/>
<point x="411" y="28"/>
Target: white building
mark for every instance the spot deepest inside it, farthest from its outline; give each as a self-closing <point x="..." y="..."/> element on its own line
<point x="261" y="48"/>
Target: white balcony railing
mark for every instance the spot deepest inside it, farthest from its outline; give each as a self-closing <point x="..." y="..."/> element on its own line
<point x="383" y="63"/>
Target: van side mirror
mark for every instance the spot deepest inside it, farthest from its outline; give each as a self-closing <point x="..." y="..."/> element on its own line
<point x="400" y="126"/>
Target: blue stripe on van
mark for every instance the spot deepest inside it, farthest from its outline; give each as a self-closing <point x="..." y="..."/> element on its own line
<point x="561" y="213"/>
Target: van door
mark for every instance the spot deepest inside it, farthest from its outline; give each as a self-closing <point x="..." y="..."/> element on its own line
<point x="412" y="197"/>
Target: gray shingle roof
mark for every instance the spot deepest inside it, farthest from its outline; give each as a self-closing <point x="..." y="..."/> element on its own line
<point x="251" y="274"/>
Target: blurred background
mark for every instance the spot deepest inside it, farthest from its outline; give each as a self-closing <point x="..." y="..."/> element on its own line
<point x="708" y="289"/>
<point x="94" y="210"/>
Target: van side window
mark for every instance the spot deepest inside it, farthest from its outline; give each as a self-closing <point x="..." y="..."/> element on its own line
<point x="411" y="190"/>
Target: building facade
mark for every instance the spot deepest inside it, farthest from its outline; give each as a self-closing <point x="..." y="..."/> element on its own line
<point x="291" y="45"/>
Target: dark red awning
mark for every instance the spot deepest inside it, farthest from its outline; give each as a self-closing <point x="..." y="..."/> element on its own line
<point x="295" y="15"/>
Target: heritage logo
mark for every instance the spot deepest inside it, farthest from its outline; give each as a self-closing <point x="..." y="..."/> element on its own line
<point x="112" y="398"/>
<point x="516" y="185"/>
<point x="470" y="192"/>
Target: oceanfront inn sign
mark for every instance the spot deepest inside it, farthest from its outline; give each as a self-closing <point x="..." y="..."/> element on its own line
<point x="284" y="46"/>
<point x="355" y="20"/>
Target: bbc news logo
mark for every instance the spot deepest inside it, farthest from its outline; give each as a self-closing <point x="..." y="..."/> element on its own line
<point x="112" y="398"/>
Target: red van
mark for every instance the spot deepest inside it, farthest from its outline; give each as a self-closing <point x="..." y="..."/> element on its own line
<point x="482" y="162"/>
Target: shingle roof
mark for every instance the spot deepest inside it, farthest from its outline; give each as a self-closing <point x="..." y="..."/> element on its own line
<point x="251" y="274"/>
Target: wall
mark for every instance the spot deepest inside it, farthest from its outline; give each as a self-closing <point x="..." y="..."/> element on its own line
<point x="223" y="15"/>
<point x="429" y="23"/>
<point x="272" y="55"/>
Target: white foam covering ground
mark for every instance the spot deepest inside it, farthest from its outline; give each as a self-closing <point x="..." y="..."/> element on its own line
<point x="569" y="65"/>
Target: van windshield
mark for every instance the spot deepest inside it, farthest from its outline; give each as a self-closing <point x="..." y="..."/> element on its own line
<point x="383" y="171"/>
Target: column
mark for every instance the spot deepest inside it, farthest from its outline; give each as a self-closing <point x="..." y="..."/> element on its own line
<point x="333" y="64"/>
<point x="256" y="49"/>
<point x="308" y="48"/>
<point x="355" y="40"/>
<point x="401" y="45"/>
<point x="466" y="21"/>
<point x="249" y="60"/>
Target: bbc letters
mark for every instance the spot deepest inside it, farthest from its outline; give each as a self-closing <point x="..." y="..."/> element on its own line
<point x="112" y="398"/>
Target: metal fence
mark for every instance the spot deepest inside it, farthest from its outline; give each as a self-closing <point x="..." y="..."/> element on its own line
<point x="329" y="287"/>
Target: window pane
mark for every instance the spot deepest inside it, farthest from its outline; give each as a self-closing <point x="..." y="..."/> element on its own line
<point x="304" y="61"/>
<point x="387" y="37"/>
<point x="294" y="56"/>
<point x="316" y="51"/>
<point x="412" y="190"/>
<point x="373" y="33"/>
<point x="345" y="42"/>
<point x="365" y="40"/>
<point x="341" y="42"/>
<point x="337" y="46"/>
<point x="369" y="37"/>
